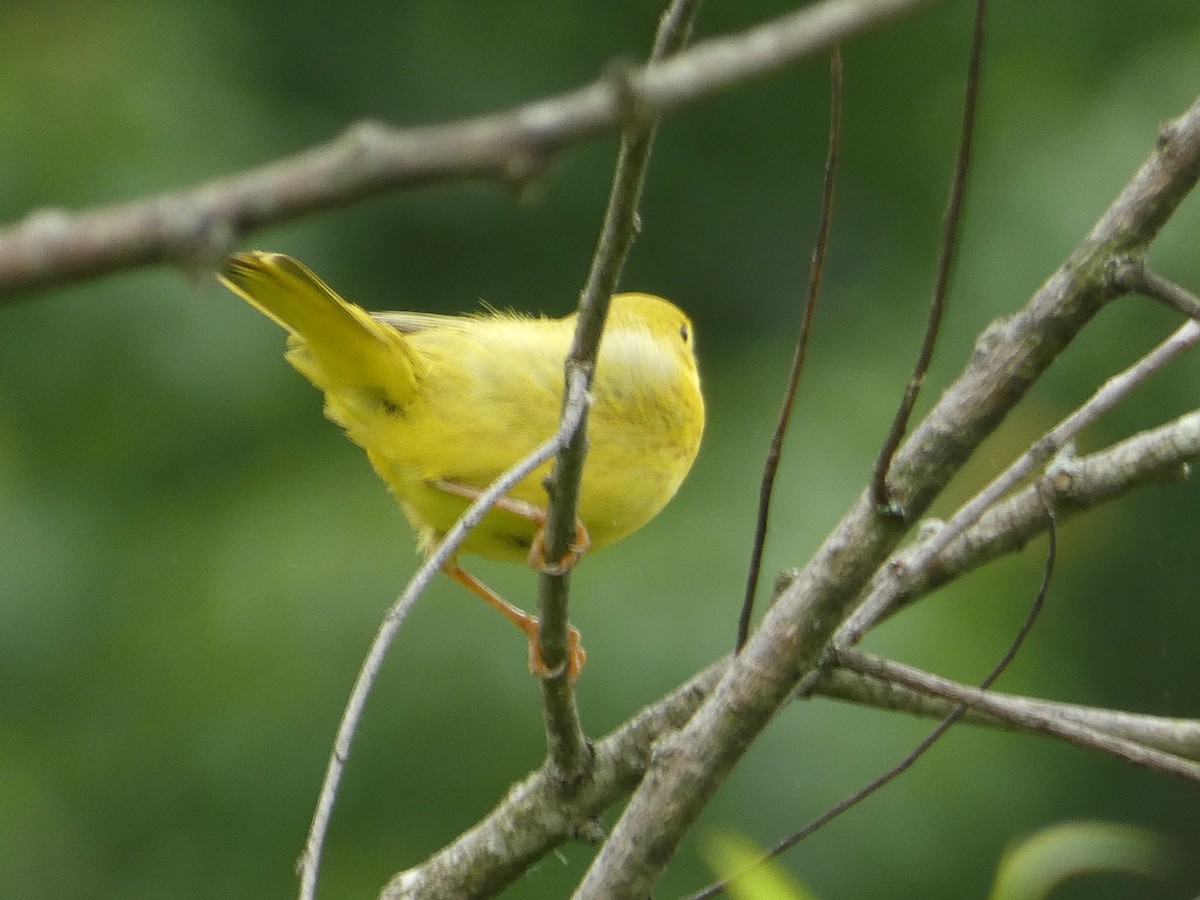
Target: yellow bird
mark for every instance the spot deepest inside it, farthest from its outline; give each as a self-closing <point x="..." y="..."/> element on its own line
<point x="443" y="405"/>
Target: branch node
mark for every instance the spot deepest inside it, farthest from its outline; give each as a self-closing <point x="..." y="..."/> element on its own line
<point x="589" y="832"/>
<point x="1127" y="273"/>
<point x="630" y="110"/>
<point x="365" y="137"/>
<point x="203" y="240"/>
<point x="928" y="528"/>
<point x="522" y="167"/>
<point x="1062" y="472"/>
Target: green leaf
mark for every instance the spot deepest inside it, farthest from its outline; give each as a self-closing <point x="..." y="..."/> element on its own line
<point x="1033" y="868"/>
<point x="738" y="860"/>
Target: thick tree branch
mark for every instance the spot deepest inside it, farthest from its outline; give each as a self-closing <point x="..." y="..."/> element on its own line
<point x="1008" y="359"/>
<point x="198" y="226"/>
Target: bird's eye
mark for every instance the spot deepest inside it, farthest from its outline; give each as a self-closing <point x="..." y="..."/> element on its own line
<point x="683" y="332"/>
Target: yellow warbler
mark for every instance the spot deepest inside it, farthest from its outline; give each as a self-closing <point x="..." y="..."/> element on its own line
<point x="442" y="405"/>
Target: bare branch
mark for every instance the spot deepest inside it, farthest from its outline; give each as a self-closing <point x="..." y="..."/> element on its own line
<point x="789" y="645"/>
<point x="951" y="718"/>
<point x="1133" y="275"/>
<point x="1178" y="737"/>
<point x="310" y="860"/>
<point x="888" y="590"/>
<point x="1076" y="484"/>
<point x="564" y="733"/>
<point x="1027" y="716"/>
<point x="522" y="824"/>
<point x="198" y="226"/>
<point x="817" y="268"/>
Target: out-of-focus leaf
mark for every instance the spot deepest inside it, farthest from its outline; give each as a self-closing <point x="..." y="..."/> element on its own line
<point x="1033" y="868"/>
<point x="733" y="856"/>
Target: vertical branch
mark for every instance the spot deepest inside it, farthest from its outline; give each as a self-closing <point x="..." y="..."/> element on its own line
<point x="879" y="491"/>
<point x="771" y="466"/>
<point x="564" y="734"/>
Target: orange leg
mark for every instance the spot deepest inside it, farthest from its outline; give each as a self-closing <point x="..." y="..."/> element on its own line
<point x="524" y="621"/>
<point x="537" y="516"/>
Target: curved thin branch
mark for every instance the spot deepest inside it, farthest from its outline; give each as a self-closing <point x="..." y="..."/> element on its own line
<point x="945" y="265"/>
<point x="309" y="863"/>
<point x="197" y="227"/>
<point x="816" y="269"/>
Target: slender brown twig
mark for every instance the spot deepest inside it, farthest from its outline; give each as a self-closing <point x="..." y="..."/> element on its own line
<point x="879" y="491"/>
<point x="771" y="466"/>
<point x="566" y="742"/>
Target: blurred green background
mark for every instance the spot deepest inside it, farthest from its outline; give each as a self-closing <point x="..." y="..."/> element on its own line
<point x="193" y="561"/>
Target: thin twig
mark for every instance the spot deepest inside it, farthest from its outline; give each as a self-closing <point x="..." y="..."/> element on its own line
<point x="1030" y="718"/>
<point x="1133" y="276"/>
<point x="198" y="225"/>
<point x="888" y="590"/>
<point x="879" y="491"/>
<point x="771" y="466"/>
<point x="1179" y="737"/>
<point x="309" y="863"/>
<point x="565" y="739"/>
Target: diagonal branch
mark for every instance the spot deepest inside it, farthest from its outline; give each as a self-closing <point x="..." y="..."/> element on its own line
<point x="197" y="226"/>
<point x="1026" y="716"/>
<point x="1178" y="737"/>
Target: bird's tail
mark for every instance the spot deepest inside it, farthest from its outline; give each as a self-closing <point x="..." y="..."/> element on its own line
<point x="338" y="346"/>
